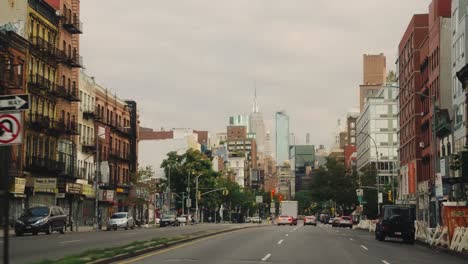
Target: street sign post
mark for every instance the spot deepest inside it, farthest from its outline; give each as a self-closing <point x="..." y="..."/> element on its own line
<point x="360" y="192"/>
<point x="14" y="102"/>
<point x="380" y="198"/>
<point x="259" y="199"/>
<point x="10" y="134"/>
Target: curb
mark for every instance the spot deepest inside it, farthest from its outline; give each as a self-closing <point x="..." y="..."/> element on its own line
<point x="442" y="249"/>
<point x="166" y="245"/>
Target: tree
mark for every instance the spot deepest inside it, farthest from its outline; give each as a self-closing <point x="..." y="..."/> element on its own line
<point x="391" y="76"/>
<point x="332" y="184"/>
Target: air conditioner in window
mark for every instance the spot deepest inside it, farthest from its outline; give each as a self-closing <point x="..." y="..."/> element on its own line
<point x="421" y="144"/>
<point x="58" y="13"/>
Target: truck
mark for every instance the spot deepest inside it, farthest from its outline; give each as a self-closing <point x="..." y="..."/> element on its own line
<point x="289" y="208"/>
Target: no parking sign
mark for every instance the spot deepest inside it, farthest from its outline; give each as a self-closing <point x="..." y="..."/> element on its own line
<point x="10" y="129"/>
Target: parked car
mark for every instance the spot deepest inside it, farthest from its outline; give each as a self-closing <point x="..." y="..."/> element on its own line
<point x="168" y="220"/>
<point x="121" y="220"/>
<point x="330" y="220"/>
<point x="256" y="219"/>
<point x="248" y="219"/>
<point x="336" y="222"/>
<point x="41" y="219"/>
<point x="310" y="220"/>
<point x="284" y="220"/>
<point x="396" y="221"/>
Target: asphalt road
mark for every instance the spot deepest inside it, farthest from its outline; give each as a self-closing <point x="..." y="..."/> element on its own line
<point x="295" y="245"/>
<point x="31" y="249"/>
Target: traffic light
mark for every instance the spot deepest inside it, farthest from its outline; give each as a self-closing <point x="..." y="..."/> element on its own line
<point x="389" y="196"/>
<point x="226" y="192"/>
<point x="272" y="195"/>
<point x="280" y="198"/>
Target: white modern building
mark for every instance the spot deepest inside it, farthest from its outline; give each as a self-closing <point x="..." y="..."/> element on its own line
<point x="86" y="145"/>
<point x="376" y="134"/>
<point x="237" y="166"/>
<point x="240" y="120"/>
<point x="459" y="60"/>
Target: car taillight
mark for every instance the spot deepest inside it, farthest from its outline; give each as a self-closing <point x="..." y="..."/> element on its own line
<point x="289" y="219"/>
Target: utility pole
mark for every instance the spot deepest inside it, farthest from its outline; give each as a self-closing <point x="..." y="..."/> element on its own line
<point x="435" y="152"/>
<point x="169" y="189"/>
<point x="96" y="186"/>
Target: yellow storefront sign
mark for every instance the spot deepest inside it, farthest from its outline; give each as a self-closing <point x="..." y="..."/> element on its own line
<point x="47" y="185"/>
<point x="88" y="190"/>
<point x="18" y="186"/>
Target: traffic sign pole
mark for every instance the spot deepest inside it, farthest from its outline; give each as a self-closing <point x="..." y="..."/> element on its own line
<point x="5" y="152"/>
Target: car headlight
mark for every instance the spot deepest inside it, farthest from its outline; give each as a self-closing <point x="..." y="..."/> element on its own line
<point x="19" y="222"/>
<point x="43" y="220"/>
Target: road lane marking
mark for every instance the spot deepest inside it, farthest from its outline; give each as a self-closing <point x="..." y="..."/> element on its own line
<point x="71" y="241"/>
<point x="296" y="228"/>
<point x="287" y="234"/>
<point x="385" y="262"/>
<point x="364" y="247"/>
<point x="351" y="239"/>
<point x="265" y="258"/>
<point x="280" y="242"/>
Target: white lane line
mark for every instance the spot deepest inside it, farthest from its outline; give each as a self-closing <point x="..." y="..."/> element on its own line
<point x="364" y="247"/>
<point x="280" y="242"/>
<point x="351" y="239"/>
<point x="287" y="234"/>
<point x="71" y="241"/>
<point x="296" y="228"/>
<point x="385" y="262"/>
<point x="265" y="258"/>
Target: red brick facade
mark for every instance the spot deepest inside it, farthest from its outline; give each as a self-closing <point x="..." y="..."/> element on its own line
<point x="410" y="82"/>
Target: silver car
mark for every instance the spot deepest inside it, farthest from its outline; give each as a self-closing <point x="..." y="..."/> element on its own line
<point x="121" y="220"/>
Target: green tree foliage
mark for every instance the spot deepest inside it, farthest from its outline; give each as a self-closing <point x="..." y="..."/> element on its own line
<point x="331" y="183"/>
<point x="304" y="200"/>
<point x="183" y="170"/>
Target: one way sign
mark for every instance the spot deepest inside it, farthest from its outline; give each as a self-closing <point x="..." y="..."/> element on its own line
<point x="14" y="102"/>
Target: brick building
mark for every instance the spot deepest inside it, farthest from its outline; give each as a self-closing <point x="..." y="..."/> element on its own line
<point x="409" y="81"/>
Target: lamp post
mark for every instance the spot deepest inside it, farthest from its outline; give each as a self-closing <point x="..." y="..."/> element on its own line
<point x="435" y="159"/>
<point x="376" y="169"/>
<point x="196" y="197"/>
<point x="96" y="185"/>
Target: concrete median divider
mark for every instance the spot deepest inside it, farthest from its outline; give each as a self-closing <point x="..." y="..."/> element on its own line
<point x="140" y="252"/>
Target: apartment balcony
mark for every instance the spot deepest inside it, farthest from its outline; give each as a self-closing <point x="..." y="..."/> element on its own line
<point x="88" y="146"/>
<point x="119" y="155"/>
<point x="10" y="80"/>
<point x="37" y="122"/>
<point x="90" y="113"/>
<point x="73" y="24"/>
<point x="43" y="47"/>
<point x="38" y="83"/>
<point x="43" y="165"/>
<point x="73" y="60"/>
<point x="60" y="127"/>
<point x="70" y="94"/>
<point x="120" y="129"/>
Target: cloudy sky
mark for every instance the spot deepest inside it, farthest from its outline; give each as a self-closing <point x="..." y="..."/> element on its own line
<point x="192" y="63"/>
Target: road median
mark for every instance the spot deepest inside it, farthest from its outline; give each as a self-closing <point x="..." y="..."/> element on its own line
<point x="137" y="248"/>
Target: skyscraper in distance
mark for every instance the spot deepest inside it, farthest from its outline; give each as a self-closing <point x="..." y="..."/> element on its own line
<point x="257" y="125"/>
<point x="282" y="137"/>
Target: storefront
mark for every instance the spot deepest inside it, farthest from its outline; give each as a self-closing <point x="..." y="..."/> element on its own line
<point x="17" y="198"/>
<point x="88" y="204"/>
<point x="44" y="192"/>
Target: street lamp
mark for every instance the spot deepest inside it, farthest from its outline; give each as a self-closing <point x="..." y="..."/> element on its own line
<point x="434" y="140"/>
<point x="196" y="196"/>
<point x="96" y="185"/>
<point x="376" y="169"/>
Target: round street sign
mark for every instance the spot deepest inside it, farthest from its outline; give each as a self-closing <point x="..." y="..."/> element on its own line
<point x="10" y="128"/>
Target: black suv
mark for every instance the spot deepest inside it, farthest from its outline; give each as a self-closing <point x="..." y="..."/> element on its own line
<point x="396" y="221"/>
<point x="41" y="219"/>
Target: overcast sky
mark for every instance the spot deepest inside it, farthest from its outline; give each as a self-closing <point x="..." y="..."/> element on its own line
<point x="192" y="63"/>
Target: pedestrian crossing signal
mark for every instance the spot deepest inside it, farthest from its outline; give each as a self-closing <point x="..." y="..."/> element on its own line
<point x="390" y="196"/>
